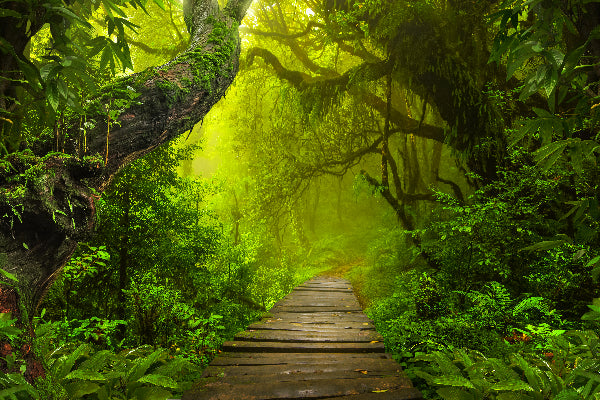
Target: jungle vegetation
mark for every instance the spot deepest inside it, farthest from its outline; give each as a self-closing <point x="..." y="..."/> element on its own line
<point x="169" y="171"/>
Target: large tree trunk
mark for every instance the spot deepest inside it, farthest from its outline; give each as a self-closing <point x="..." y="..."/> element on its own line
<point x="45" y="215"/>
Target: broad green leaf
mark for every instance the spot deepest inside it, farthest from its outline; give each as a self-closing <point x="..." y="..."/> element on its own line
<point x="568" y="394"/>
<point x="516" y="60"/>
<point x="9" y="393"/>
<point x="547" y="156"/>
<point x="142" y="364"/>
<point x="80" y="388"/>
<point x="540" y="112"/>
<point x="530" y="126"/>
<point x="551" y="83"/>
<point x="106" y="56"/>
<point x="572" y="59"/>
<point x="52" y="95"/>
<point x="160" y="3"/>
<point x="512" y="385"/>
<point x="159" y="380"/>
<point x="453" y="380"/>
<point x="544" y="245"/>
<point x="64" y="364"/>
<point x="453" y="393"/>
<point x="556" y="57"/>
<point x="85" y="375"/>
<point x="96" y="46"/>
<point x="4" y="12"/>
<point x="8" y="275"/>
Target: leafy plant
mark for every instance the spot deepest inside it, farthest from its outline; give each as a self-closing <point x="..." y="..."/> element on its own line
<point x="570" y="371"/>
<point x="80" y="373"/>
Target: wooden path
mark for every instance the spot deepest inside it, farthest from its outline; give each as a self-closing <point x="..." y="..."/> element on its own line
<point x="316" y="343"/>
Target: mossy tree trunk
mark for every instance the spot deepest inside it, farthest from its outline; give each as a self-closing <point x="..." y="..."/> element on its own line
<point x="47" y="213"/>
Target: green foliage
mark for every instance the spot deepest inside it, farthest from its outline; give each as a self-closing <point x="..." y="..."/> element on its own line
<point x="101" y="333"/>
<point x="78" y="372"/>
<point x="545" y="42"/>
<point x="158" y="314"/>
<point x="567" y="370"/>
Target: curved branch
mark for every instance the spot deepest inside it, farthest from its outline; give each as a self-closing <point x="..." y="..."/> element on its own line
<point x="296" y="78"/>
<point x="348" y="161"/>
<point x="302" y="81"/>
<point x="455" y="188"/>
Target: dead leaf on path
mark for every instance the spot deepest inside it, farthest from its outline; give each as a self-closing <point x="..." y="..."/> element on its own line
<point x="374" y="341"/>
<point x="380" y="391"/>
<point x="362" y="371"/>
<point x="296" y="324"/>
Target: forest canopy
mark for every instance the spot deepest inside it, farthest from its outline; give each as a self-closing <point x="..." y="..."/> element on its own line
<point x="169" y="171"/>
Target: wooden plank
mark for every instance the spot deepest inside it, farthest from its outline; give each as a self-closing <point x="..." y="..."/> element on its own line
<point x="320" y="303"/>
<point x="322" y="295"/>
<point x="322" y="317"/>
<point x="298" y="375"/>
<point x="249" y="359"/>
<point x="312" y="309"/>
<point x="341" y="336"/>
<point x="311" y="326"/>
<point x="283" y="347"/>
<point x="320" y="388"/>
<point x="355" y="366"/>
<point x="317" y="291"/>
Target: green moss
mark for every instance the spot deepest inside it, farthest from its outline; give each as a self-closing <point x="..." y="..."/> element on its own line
<point x="207" y="65"/>
<point x="172" y="91"/>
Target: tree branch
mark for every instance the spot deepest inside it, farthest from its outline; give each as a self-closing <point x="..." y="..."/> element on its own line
<point x="302" y="82"/>
<point x="455" y="188"/>
<point x="306" y="31"/>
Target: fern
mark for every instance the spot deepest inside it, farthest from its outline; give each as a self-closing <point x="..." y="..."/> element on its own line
<point x="572" y="374"/>
<point x="536" y="303"/>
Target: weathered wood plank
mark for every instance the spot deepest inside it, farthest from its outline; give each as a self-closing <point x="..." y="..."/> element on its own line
<point x="340" y="336"/>
<point x="318" y="388"/>
<point x="284" y="347"/>
<point x="365" y="366"/>
<point x="241" y="358"/>
<point x="311" y="326"/>
<point x="313" y="309"/>
<point x="322" y="317"/>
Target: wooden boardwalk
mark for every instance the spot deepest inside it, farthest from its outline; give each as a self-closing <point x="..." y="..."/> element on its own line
<point x="316" y="343"/>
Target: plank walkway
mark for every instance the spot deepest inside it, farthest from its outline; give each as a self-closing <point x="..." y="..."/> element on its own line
<point x="316" y="343"/>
